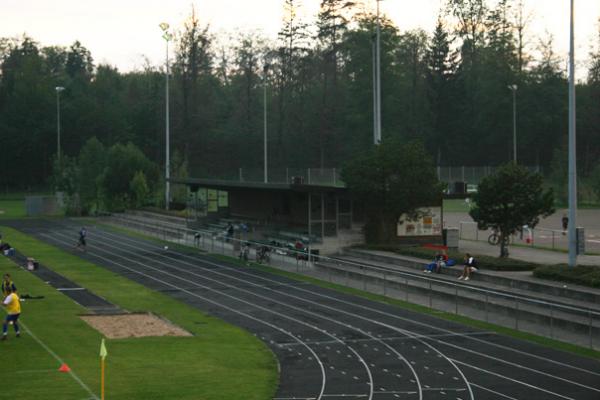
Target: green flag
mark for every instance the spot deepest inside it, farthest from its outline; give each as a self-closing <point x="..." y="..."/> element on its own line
<point x="103" y="352"/>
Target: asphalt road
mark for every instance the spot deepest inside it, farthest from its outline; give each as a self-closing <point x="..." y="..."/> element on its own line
<point x="336" y="346"/>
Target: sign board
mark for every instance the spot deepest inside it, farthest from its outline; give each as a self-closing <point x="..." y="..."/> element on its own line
<point x="212" y="204"/>
<point x="427" y="223"/>
<point x="223" y="199"/>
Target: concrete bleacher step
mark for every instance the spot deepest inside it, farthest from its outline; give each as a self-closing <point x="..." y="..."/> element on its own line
<point x="172" y="219"/>
<point x="522" y="281"/>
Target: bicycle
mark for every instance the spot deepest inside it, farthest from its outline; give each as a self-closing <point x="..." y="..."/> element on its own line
<point x="494" y="238"/>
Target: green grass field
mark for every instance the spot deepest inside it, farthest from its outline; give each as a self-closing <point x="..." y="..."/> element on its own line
<point x="12" y="208"/>
<point x="219" y="362"/>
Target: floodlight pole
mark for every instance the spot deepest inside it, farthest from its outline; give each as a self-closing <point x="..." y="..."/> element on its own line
<point x="513" y="88"/>
<point x="167" y="36"/>
<point x="265" y="70"/>
<point x="572" y="147"/>
<point x="58" y="90"/>
<point x="378" y="61"/>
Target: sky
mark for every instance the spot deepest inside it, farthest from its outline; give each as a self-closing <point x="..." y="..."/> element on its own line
<point x="125" y="33"/>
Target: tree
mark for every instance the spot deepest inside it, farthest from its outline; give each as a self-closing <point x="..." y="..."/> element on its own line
<point x="123" y="162"/>
<point x="139" y="189"/>
<point x="390" y="180"/>
<point x="92" y="162"/>
<point x="509" y="199"/>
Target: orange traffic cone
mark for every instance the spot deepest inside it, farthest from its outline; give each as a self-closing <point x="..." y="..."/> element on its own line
<point x="64" y="368"/>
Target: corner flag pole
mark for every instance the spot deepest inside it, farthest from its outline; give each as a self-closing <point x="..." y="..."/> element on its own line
<point x="103" y="354"/>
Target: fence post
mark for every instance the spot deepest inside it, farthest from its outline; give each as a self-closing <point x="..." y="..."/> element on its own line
<point x="516" y="314"/>
<point x="486" y="307"/>
<point x="430" y="295"/>
<point x="551" y="322"/>
<point x="591" y="329"/>
<point x="456" y="299"/>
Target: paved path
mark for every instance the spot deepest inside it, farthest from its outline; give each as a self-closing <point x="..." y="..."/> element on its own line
<point x="539" y="256"/>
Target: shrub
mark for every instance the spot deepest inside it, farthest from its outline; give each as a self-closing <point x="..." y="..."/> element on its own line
<point x="581" y="275"/>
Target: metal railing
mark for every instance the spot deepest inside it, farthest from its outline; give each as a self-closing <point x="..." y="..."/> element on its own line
<point x="577" y="325"/>
<point x="541" y="238"/>
<point x="472" y="175"/>
<point x="308" y="176"/>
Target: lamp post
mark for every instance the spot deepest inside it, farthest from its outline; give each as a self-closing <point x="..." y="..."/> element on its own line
<point x="265" y="70"/>
<point x="513" y="88"/>
<point x="378" y="83"/>
<point x="572" y="147"/>
<point x="58" y="90"/>
<point x="167" y="36"/>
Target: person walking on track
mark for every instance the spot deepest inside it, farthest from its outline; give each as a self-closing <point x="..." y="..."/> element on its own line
<point x="81" y="242"/>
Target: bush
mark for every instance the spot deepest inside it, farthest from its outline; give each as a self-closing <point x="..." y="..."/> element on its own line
<point x="580" y="275"/>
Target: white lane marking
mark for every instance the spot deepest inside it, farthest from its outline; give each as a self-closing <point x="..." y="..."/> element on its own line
<point x="493" y="391"/>
<point x="57" y="358"/>
<point x="253" y="294"/>
<point x="519" y="365"/>
<point x="262" y="286"/>
<point x="69" y="289"/>
<point x="464" y="349"/>
<point x="514" y="380"/>
<point x="419" y="323"/>
<point x="323" y="376"/>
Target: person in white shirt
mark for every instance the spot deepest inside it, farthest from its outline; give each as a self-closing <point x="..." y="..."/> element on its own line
<point x="470" y="267"/>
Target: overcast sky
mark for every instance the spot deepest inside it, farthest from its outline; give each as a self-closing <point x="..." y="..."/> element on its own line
<point x="123" y="32"/>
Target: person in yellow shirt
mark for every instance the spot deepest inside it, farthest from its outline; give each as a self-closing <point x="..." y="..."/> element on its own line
<point x="13" y="308"/>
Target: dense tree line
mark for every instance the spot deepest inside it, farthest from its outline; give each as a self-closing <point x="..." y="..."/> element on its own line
<point x="447" y="88"/>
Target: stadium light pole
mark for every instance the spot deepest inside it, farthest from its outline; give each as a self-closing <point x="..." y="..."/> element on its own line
<point x="572" y="146"/>
<point x="168" y="36"/>
<point x="58" y="90"/>
<point x="514" y="88"/>
<point x="265" y="70"/>
<point x="378" y="62"/>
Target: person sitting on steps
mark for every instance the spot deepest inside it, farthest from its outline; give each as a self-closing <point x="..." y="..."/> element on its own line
<point x="438" y="263"/>
<point x="470" y="267"/>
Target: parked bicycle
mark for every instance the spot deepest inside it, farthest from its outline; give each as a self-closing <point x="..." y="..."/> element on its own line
<point x="494" y="238"/>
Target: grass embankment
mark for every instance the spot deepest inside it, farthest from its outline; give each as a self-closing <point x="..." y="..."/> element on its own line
<point x="219" y="362"/>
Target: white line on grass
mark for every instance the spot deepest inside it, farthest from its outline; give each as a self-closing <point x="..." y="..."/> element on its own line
<point x="60" y="360"/>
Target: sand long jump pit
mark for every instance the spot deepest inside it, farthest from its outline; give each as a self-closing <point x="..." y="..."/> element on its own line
<point x="122" y="326"/>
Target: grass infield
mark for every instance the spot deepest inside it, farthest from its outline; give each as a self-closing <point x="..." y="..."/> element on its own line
<point x="220" y="361"/>
<point x="12" y="208"/>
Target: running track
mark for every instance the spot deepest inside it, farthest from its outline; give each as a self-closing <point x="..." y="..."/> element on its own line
<point x="333" y="346"/>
